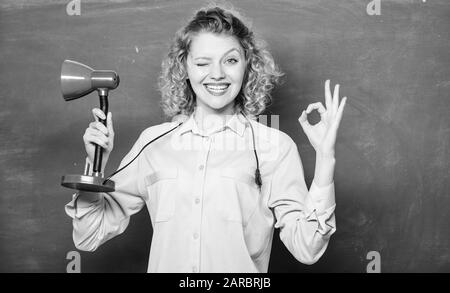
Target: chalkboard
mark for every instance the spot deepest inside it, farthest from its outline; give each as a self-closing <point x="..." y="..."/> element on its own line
<point x="392" y="173"/>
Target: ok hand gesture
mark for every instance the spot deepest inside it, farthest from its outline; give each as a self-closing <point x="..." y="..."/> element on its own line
<point x="322" y="135"/>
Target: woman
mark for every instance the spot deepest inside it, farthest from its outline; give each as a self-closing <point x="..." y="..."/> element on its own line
<point x="218" y="183"/>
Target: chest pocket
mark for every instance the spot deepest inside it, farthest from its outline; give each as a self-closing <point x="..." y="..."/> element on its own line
<point x="162" y="191"/>
<point x="242" y="201"/>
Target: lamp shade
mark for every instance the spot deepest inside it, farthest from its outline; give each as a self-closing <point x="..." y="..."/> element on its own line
<point x="78" y="80"/>
<point x="75" y="80"/>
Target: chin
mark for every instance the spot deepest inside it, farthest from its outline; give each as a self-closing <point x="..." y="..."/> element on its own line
<point x="218" y="103"/>
<point x="218" y="108"/>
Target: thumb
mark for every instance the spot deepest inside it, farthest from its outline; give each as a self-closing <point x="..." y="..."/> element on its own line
<point x="109" y="123"/>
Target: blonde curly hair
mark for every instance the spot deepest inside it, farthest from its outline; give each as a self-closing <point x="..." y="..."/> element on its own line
<point x="261" y="76"/>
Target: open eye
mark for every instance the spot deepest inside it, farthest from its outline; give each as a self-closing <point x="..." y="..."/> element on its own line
<point x="232" y="60"/>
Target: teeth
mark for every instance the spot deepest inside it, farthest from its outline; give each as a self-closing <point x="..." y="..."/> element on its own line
<point x="217" y="87"/>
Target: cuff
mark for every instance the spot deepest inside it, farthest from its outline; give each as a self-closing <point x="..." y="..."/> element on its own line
<point x="82" y="203"/>
<point x="321" y="204"/>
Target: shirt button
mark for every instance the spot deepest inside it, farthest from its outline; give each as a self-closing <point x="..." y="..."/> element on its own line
<point x="197" y="200"/>
<point x="195" y="235"/>
<point x="201" y="167"/>
<point x="194" y="269"/>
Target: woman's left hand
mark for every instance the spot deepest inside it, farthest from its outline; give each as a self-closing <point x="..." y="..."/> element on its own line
<point x="322" y="135"/>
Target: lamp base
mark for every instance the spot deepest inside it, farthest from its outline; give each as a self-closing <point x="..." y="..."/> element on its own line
<point x="87" y="183"/>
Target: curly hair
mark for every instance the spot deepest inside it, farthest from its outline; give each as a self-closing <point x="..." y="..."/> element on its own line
<point x="261" y="74"/>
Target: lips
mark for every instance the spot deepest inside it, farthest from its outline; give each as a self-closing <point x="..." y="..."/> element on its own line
<point x="217" y="89"/>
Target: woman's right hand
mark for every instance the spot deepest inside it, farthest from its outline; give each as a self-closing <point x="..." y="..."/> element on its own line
<point x="97" y="133"/>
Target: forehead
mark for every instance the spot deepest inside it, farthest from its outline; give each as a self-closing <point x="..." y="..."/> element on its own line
<point x="210" y="44"/>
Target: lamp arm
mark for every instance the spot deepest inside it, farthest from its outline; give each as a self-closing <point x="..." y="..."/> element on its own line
<point x="103" y="96"/>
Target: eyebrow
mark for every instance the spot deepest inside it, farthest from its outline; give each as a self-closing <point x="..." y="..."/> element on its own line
<point x="226" y="53"/>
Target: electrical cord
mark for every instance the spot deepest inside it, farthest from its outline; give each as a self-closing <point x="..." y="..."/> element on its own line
<point x="117" y="171"/>
<point x="258" y="180"/>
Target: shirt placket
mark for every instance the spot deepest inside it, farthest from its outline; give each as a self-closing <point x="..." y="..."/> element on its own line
<point x="197" y="201"/>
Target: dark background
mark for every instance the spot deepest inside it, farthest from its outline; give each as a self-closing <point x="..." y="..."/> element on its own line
<point x="392" y="172"/>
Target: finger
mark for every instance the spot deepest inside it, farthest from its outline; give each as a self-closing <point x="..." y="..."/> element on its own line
<point x="303" y="119"/>
<point x="328" y="96"/>
<point x="318" y="105"/>
<point x="328" y="101"/>
<point x="90" y="138"/>
<point x="110" y="124"/>
<point x="101" y="141"/>
<point x="98" y="114"/>
<point x="335" y="98"/>
<point x="340" y="111"/>
<point x="96" y="133"/>
<point x="99" y="126"/>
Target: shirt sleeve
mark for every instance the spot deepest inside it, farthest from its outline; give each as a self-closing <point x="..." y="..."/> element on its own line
<point x="98" y="217"/>
<point x="305" y="217"/>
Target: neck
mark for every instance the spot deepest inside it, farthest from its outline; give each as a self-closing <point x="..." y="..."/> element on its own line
<point x="208" y="120"/>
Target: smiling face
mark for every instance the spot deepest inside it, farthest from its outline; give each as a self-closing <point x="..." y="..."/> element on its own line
<point x="215" y="67"/>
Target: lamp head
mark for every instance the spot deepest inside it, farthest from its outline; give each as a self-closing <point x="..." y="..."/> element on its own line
<point x="78" y="80"/>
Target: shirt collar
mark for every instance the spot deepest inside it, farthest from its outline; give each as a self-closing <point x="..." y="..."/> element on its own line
<point x="237" y="123"/>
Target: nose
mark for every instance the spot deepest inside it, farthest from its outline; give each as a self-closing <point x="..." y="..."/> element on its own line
<point x="217" y="72"/>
